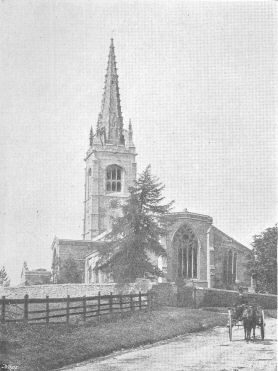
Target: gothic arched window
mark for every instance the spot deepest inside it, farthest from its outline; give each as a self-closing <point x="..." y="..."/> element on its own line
<point x="90" y="172"/>
<point x="187" y="247"/>
<point x="113" y="179"/>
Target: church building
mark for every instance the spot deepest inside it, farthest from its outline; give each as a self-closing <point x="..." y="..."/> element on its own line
<point x="197" y="252"/>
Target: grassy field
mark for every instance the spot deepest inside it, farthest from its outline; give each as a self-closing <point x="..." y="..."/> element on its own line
<point x="42" y="347"/>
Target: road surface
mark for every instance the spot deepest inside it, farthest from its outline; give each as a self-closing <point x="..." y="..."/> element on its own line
<point x="208" y="351"/>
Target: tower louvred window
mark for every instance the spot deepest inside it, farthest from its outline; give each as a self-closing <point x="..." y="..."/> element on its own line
<point x="113" y="179"/>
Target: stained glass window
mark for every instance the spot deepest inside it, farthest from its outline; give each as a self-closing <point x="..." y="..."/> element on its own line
<point x="187" y="245"/>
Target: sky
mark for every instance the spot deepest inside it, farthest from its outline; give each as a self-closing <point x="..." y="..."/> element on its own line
<point x="197" y="80"/>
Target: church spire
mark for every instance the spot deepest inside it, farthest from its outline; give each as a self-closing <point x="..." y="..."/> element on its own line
<point x="110" y="121"/>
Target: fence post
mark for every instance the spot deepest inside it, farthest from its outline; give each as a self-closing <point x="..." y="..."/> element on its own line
<point x="140" y="301"/>
<point x="3" y="309"/>
<point x="110" y="304"/>
<point x="84" y="308"/>
<point x="47" y="308"/>
<point x="25" y="315"/>
<point x="98" y="305"/>
<point x="149" y="298"/>
<point x="121" y="303"/>
<point x="68" y="309"/>
<point x="131" y="302"/>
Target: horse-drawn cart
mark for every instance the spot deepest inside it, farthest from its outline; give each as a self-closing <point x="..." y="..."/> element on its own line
<point x="247" y="317"/>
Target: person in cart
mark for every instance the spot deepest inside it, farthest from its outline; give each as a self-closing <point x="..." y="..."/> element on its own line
<point x="241" y="303"/>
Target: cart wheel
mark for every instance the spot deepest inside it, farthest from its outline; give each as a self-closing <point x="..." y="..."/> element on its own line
<point x="262" y="331"/>
<point x="230" y="325"/>
<point x="230" y="333"/>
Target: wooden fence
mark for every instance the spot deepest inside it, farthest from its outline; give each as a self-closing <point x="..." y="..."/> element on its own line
<point x="62" y="309"/>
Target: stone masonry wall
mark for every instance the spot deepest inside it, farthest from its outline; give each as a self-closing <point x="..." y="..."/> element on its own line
<point x="74" y="290"/>
<point x="221" y="244"/>
<point x="199" y="227"/>
<point x="172" y="295"/>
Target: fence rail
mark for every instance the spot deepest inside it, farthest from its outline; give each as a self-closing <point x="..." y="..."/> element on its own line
<point x="57" y="309"/>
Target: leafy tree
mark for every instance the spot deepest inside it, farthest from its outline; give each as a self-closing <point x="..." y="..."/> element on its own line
<point x="69" y="272"/>
<point x="135" y="236"/>
<point x="263" y="264"/>
<point x="4" y="279"/>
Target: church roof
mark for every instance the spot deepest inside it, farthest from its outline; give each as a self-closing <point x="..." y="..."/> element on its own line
<point x="189" y="215"/>
<point x="229" y="238"/>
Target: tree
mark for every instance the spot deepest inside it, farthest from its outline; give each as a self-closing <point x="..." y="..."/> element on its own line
<point x="4" y="279"/>
<point x="136" y="235"/>
<point x="263" y="264"/>
<point x="69" y="272"/>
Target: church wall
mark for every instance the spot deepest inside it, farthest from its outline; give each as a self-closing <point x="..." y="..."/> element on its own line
<point x="200" y="228"/>
<point x="77" y="250"/>
<point x="214" y="246"/>
<point x="221" y="245"/>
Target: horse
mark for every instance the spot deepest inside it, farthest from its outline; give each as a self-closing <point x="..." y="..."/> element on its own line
<point x="250" y="319"/>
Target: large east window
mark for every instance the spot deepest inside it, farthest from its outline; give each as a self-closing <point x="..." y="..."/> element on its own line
<point x="113" y="179"/>
<point x="187" y="248"/>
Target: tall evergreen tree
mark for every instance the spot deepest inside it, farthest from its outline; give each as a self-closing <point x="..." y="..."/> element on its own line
<point x="135" y="236"/>
<point x="263" y="264"/>
<point x="4" y="279"/>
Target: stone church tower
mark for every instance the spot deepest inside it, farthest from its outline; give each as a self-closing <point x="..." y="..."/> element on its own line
<point x="110" y="160"/>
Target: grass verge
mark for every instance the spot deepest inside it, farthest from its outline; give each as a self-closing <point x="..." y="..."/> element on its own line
<point x="42" y="347"/>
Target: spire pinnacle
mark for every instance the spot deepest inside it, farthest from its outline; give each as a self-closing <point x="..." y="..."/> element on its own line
<point x="130" y="134"/>
<point x="110" y="118"/>
<point x="91" y="136"/>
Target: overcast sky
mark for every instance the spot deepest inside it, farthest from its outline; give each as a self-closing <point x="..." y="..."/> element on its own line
<point x="197" y="81"/>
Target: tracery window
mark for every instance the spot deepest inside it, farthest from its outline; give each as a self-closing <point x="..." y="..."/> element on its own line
<point x="113" y="179"/>
<point x="187" y="245"/>
<point x="90" y="274"/>
<point x="230" y="267"/>
<point x="234" y="267"/>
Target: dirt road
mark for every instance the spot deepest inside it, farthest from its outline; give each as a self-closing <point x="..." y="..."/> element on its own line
<point x="207" y="351"/>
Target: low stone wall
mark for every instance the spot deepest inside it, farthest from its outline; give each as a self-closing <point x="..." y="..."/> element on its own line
<point x="172" y="295"/>
<point x="165" y="294"/>
<point x="73" y="289"/>
<point x="264" y="300"/>
<point x="215" y="298"/>
<point x="227" y="298"/>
